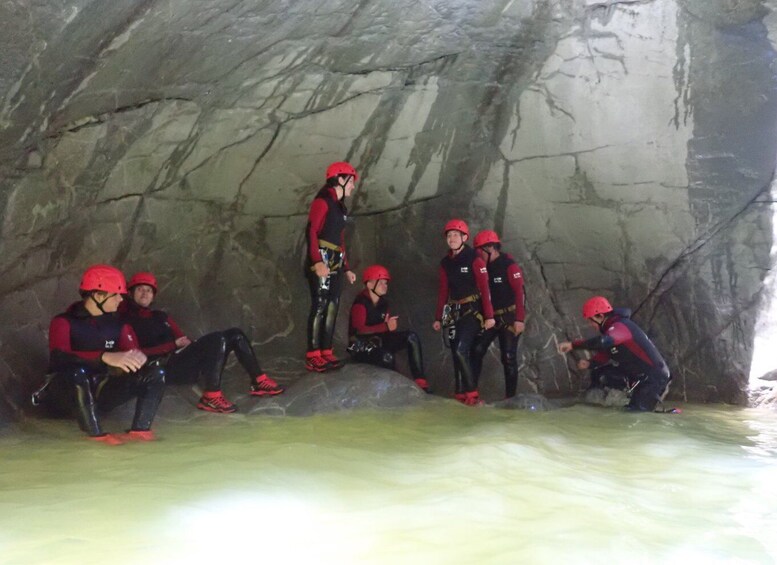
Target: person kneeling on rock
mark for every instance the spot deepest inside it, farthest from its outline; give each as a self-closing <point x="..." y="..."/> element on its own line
<point x="95" y="363"/>
<point x="373" y="334"/>
<point x="184" y="360"/>
<point x="629" y="349"/>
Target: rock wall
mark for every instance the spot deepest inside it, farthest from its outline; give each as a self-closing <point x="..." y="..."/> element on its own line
<point x="619" y="147"/>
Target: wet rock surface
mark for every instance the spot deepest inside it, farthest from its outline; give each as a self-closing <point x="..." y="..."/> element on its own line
<point x="623" y="148"/>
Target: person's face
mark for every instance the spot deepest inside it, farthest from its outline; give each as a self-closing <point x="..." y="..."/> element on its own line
<point x="109" y="304"/>
<point x="349" y="187"/>
<point x="455" y="239"/>
<point x="595" y="321"/>
<point x="381" y="287"/>
<point x="143" y="295"/>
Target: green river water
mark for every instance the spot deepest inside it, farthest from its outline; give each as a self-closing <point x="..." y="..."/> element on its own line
<point x="437" y="484"/>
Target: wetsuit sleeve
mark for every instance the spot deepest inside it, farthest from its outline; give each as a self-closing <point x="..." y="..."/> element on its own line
<point x="359" y="321"/>
<point x="515" y="274"/>
<point x="60" y="351"/>
<point x="128" y="340"/>
<point x="615" y="335"/>
<point x="316" y="219"/>
<point x="177" y="332"/>
<point x="442" y="294"/>
<point x="481" y="280"/>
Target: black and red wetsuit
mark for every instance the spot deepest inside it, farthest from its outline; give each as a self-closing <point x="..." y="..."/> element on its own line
<point x="77" y="340"/>
<point x="464" y="285"/>
<point x="505" y="281"/>
<point x="326" y="243"/>
<point x="157" y="331"/>
<point x="372" y="342"/>
<point x="631" y="351"/>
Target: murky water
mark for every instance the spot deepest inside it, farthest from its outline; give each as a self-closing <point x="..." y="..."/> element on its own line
<point x="440" y="484"/>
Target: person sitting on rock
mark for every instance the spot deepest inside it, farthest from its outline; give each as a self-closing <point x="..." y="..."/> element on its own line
<point x="326" y="263"/>
<point x="628" y="348"/>
<point x="372" y="331"/>
<point x="184" y="360"/>
<point x="463" y="287"/>
<point x="505" y="282"/>
<point x="95" y="361"/>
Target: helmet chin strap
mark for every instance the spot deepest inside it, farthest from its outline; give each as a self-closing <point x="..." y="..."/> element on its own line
<point x="100" y="304"/>
<point x="372" y="290"/>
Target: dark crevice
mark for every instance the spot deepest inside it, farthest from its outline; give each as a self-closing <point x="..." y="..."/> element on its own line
<point x="664" y="284"/>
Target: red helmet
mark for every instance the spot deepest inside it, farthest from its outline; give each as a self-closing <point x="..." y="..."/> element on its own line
<point x="104" y="278"/>
<point x="486" y="237"/>
<point x="458" y="225"/>
<point x="341" y="168"/>
<point x="596" y="305"/>
<point x="143" y="278"/>
<point x="376" y="273"/>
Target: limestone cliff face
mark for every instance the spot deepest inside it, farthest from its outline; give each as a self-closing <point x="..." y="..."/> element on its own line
<point x="619" y="147"/>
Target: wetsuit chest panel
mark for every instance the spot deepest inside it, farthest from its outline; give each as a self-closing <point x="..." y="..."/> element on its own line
<point x="152" y="329"/>
<point x="95" y="333"/>
<point x="502" y="295"/>
<point x="460" y="273"/>
<point x="334" y="223"/>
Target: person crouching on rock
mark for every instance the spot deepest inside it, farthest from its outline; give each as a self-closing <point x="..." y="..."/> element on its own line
<point x="463" y="289"/>
<point x="96" y="362"/>
<point x="185" y="360"/>
<point x="505" y="282"/>
<point x="628" y="348"/>
<point x="372" y="331"/>
<point x="326" y="262"/>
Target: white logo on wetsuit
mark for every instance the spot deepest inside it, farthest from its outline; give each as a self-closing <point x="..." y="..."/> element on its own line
<point x="517" y="275"/>
<point x="497" y="279"/>
<point x="614" y="350"/>
<point x="483" y="270"/>
<point x="109" y="343"/>
<point x="465" y="269"/>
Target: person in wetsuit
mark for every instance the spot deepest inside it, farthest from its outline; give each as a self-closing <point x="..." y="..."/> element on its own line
<point x="463" y="288"/>
<point x="631" y="354"/>
<point x="185" y="360"/>
<point x="326" y="263"/>
<point x="95" y="363"/>
<point x="505" y="282"/>
<point x="373" y="335"/>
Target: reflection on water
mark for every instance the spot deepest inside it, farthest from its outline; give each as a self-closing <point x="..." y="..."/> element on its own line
<point x="442" y="484"/>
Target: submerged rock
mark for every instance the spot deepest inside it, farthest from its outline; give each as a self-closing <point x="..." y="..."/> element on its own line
<point x="532" y="402"/>
<point x="606" y="397"/>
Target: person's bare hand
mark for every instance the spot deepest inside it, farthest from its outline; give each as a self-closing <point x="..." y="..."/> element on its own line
<point x="518" y="327"/>
<point x="321" y="269"/>
<point x="489" y="323"/>
<point x="182" y="341"/>
<point x="351" y="276"/>
<point x="391" y="322"/>
<point x="128" y="361"/>
<point x="583" y="364"/>
<point x="565" y="347"/>
<point x="436" y="326"/>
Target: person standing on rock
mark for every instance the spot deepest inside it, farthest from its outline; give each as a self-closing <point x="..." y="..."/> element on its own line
<point x="95" y="362"/>
<point x="185" y="360"/>
<point x="372" y="331"/>
<point x="629" y="349"/>
<point x="505" y="282"/>
<point x="327" y="262"/>
<point x="463" y="288"/>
